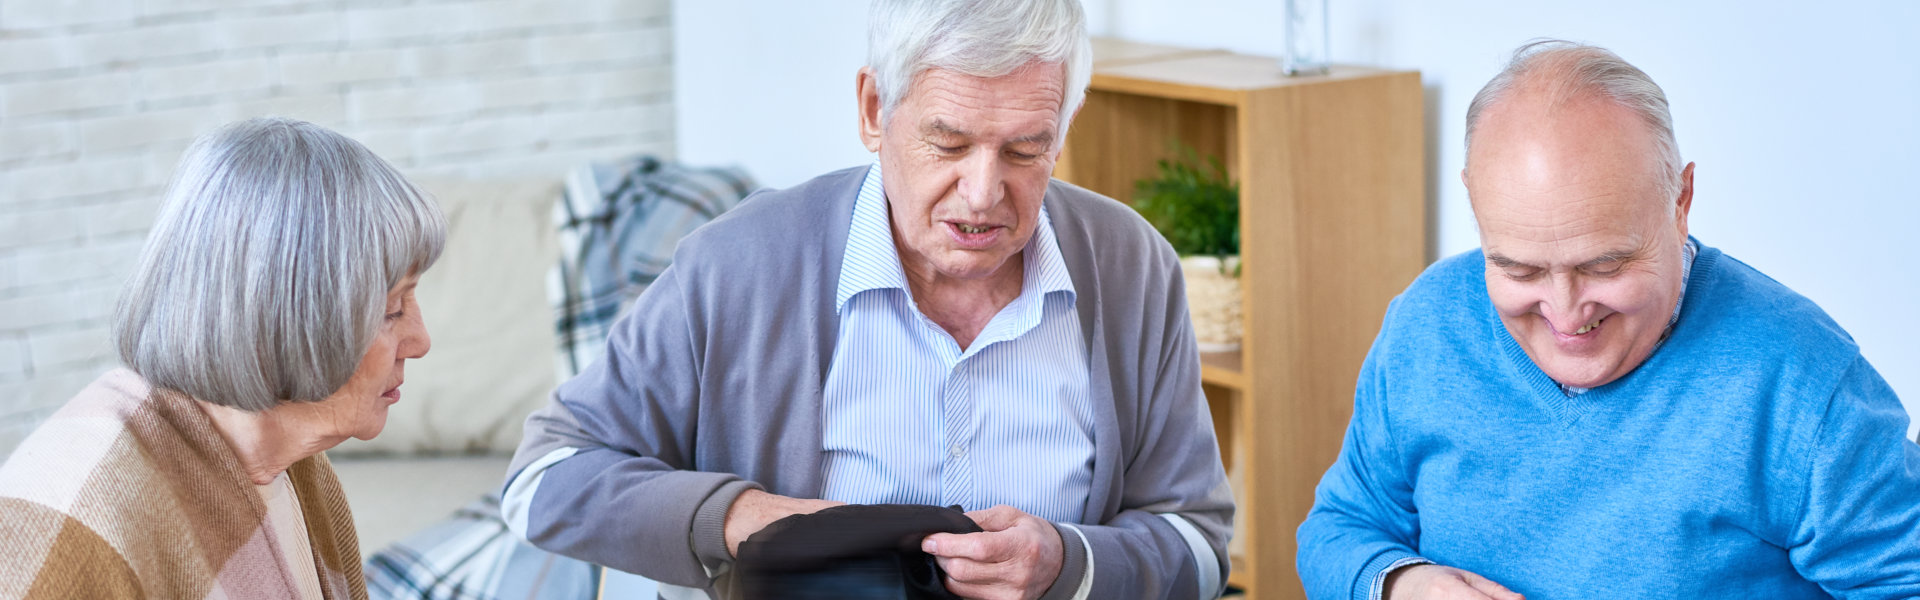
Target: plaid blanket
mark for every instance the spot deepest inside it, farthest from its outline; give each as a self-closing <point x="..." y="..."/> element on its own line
<point x="472" y="556"/>
<point x="619" y="224"/>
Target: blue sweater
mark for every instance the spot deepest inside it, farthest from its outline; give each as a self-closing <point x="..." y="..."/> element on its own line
<point x="1755" y="454"/>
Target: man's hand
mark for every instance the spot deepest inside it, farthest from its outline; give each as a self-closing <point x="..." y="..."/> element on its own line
<point x="753" y="510"/>
<point x="1434" y="582"/>
<point x="1017" y="557"/>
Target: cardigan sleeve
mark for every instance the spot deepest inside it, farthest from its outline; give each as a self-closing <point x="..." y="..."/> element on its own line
<point x="615" y="448"/>
<point x="1363" y="521"/>
<point x="1859" y="532"/>
<point x="52" y="555"/>
<point x="1169" y="537"/>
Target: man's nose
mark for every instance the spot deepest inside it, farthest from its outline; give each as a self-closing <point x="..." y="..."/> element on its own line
<point x="1562" y="306"/>
<point x="981" y="183"/>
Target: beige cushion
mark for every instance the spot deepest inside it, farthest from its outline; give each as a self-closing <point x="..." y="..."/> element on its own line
<point x="485" y="306"/>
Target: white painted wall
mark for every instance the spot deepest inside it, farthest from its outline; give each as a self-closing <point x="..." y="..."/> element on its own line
<point x="1804" y="118"/>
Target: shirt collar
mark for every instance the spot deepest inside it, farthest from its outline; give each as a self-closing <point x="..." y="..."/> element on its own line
<point x="872" y="262"/>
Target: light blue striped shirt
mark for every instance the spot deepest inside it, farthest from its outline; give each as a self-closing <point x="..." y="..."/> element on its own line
<point x="911" y="418"/>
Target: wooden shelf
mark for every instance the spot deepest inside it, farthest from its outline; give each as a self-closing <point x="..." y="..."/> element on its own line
<point x="1333" y="223"/>
<point x="1222" y="369"/>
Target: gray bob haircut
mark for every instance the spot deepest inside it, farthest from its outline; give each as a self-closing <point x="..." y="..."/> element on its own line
<point x="266" y="274"/>
<point x="1570" y="70"/>
<point x="978" y="38"/>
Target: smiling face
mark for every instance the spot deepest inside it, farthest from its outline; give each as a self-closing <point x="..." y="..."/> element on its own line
<point x="1582" y="231"/>
<point x="359" y="408"/>
<point x="966" y="163"/>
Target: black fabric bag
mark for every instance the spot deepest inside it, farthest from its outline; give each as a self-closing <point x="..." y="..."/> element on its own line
<point x="853" y="552"/>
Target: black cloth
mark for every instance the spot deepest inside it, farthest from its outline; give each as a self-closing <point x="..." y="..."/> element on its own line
<point x="864" y="552"/>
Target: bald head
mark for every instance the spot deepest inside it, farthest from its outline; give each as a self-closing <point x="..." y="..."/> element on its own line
<point x="1545" y="76"/>
<point x="1582" y="207"/>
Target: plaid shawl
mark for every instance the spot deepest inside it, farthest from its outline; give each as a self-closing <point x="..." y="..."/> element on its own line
<point x="619" y="223"/>
<point x="128" y="492"/>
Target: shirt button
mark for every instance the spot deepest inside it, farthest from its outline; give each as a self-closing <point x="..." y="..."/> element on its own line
<point x="957" y="450"/>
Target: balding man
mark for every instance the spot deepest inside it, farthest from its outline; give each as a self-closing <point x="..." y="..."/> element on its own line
<point x="1594" y="404"/>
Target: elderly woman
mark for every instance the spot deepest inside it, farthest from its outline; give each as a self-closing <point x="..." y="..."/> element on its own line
<point x="270" y="319"/>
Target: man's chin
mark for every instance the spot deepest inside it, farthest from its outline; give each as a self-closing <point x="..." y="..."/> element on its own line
<point x="1583" y="372"/>
<point x="971" y="266"/>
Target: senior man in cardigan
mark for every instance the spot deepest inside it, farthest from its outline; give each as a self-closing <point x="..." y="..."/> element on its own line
<point x="947" y="326"/>
<point x="1595" y="404"/>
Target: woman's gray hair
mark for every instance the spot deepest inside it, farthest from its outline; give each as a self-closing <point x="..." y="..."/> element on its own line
<point x="1571" y="70"/>
<point x="978" y="38"/>
<point x="266" y="275"/>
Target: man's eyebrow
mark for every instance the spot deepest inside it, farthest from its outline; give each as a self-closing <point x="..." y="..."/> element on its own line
<point x="1503" y="262"/>
<point x="941" y="127"/>
<point x="1044" y="138"/>
<point x="1609" y="257"/>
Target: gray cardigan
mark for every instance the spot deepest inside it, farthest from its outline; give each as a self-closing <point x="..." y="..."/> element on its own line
<point x="713" y="384"/>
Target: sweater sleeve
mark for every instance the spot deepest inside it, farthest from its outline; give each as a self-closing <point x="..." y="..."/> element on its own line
<point x="1363" y="521"/>
<point x="1859" y="535"/>
<point x="622" y="492"/>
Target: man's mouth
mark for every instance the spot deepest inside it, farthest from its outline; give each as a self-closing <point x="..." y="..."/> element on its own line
<point x="1591" y="326"/>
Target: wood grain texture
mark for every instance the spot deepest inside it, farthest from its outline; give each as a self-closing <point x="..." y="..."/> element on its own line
<point x="1333" y="225"/>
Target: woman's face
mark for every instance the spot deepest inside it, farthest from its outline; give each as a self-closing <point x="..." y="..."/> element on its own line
<point x="359" y="408"/>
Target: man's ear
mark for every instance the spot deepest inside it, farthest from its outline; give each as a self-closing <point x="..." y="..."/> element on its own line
<point x="1684" y="204"/>
<point x="869" y="99"/>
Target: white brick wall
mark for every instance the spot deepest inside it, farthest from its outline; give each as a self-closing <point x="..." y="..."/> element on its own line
<point x="99" y="97"/>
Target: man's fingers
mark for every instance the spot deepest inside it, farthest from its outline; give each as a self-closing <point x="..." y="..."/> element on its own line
<point x="982" y="547"/>
<point x="972" y="591"/>
<point x="998" y="518"/>
<point x="967" y="570"/>
<point x="1488" y="587"/>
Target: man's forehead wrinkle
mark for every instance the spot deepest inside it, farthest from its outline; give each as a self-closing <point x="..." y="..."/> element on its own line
<point x="1536" y="234"/>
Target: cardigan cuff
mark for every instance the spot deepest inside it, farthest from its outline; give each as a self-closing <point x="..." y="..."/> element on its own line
<point x="1074" y="565"/>
<point x="708" y="535"/>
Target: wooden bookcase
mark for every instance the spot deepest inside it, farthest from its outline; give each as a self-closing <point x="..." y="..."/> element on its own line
<point x="1333" y="225"/>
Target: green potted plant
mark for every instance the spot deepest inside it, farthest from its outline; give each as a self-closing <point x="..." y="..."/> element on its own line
<point x="1196" y="206"/>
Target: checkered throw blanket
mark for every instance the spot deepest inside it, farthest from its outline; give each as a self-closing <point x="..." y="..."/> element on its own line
<point x="618" y="226"/>
<point x="472" y="556"/>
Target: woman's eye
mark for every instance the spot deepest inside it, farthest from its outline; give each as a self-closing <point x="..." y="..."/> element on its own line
<point x="396" y="315"/>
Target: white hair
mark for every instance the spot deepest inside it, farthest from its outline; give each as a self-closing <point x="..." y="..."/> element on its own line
<point x="978" y="38"/>
<point x="266" y="274"/>
<point x="1570" y="70"/>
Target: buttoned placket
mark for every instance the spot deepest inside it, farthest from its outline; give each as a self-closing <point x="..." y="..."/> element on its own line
<point x="957" y="428"/>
